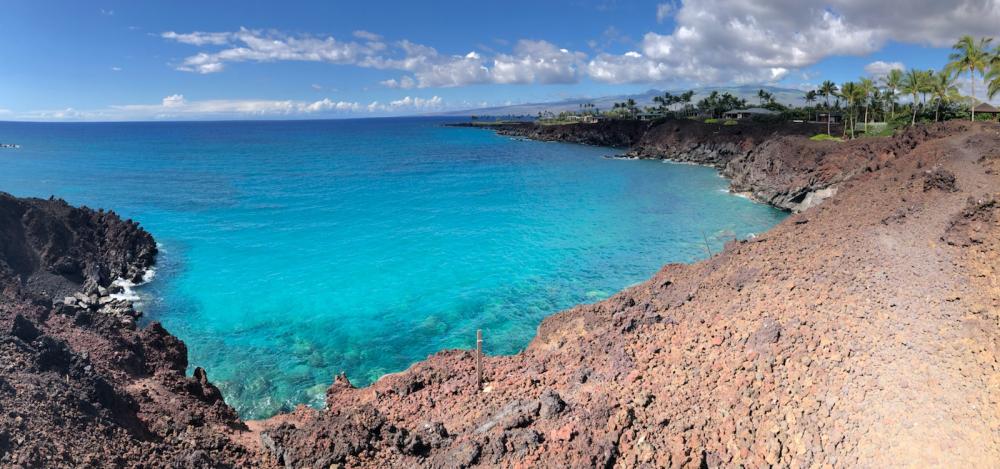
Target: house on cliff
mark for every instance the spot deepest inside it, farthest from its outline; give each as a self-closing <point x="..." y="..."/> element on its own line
<point x="750" y="113"/>
<point x="833" y="117"/>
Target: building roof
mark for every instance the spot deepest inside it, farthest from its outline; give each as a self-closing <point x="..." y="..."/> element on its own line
<point x="753" y="110"/>
<point x="986" y="107"/>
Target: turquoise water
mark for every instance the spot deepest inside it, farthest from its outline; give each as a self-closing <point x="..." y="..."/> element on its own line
<point x="295" y="250"/>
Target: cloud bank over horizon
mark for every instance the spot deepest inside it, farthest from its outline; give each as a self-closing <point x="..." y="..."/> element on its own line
<point x="176" y="107"/>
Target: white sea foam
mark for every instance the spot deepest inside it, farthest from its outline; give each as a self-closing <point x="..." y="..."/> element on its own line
<point x="127" y="292"/>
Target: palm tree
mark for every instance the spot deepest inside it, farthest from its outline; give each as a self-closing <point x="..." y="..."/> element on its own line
<point x="926" y="85"/>
<point x="878" y="103"/>
<point x="810" y="97"/>
<point x="973" y="57"/>
<point x="865" y="88"/>
<point x="943" y="86"/>
<point x="912" y="83"/>
<point x="763" y="95"/>
<point x="827" y="89"/>
<point x="892" y="81"/>
<point x="993" y="77"/>
<point x="993" y="86"/>
<point x="851" y="92"/>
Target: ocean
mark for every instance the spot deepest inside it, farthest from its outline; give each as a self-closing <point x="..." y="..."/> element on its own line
<point x="294" y="250"/>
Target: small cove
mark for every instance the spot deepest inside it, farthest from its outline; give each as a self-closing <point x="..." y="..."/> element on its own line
<point x="295" y="250"/>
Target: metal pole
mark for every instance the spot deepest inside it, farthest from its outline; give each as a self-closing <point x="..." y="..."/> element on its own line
<point x="479" y="358"/>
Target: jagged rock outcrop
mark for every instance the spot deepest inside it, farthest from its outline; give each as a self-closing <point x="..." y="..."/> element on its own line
<point x="617" y="134"/>
<point x="690" y="141"/>
<point x="733" y="149"/>
<point x="81" y="385"/>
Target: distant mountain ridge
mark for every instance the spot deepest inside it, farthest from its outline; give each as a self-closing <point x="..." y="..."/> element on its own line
<point x="786" y="96"/>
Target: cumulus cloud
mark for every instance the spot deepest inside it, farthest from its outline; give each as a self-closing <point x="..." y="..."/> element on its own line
<point x="762" y="40"/>
<point x="529" y="62"/>
<point x="536" y="62"/>
<point x="881" y="69"/>
<point x="257" y="46"/>
<point x="417" y="103"/>
<point x="198" y="38"/>
<point x="631" y="67"/>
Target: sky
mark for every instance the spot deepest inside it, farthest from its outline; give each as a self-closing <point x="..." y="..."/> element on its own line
<point x="129" y="60"/>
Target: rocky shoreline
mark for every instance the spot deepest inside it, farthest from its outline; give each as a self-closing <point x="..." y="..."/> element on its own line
<point x="746" y="153"/>
<point x="862" y="331"/>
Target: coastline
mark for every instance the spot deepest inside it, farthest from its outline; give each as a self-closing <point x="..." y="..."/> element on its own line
<point x="729" y="149"/>
<point x="629" y="380"/>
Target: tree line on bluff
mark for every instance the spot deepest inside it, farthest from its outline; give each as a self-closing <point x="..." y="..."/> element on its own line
<point x="899" y="98"/>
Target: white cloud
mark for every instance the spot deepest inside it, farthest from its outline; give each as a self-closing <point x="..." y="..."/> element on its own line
<point x="173" y="101"/>
<point x="536" y="62"/>
<point x="368" y="36"/>
<point x="198" y="38"/>
<point x="404" y="83"/>
<point x="60" y="114"/>
<point x="116" y="69"/>
<point x="256" y="46"/>
<point x="107" y="12"/>
<point x="417" y="103"/>
<point x="529" y="62"/>
<point x="177" y="107"/>
<point x="738" y="41"/>
<point x="881" y="69"/>
<point x="632" y="67"/>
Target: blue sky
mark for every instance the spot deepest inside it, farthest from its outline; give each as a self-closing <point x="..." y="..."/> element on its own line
<point x="236" y="59"/>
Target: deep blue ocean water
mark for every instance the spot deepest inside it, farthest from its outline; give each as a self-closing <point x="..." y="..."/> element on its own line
<point x="295" y="250"/>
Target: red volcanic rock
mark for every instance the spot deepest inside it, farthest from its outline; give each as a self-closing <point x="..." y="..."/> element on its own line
<point x="859" y="332"/>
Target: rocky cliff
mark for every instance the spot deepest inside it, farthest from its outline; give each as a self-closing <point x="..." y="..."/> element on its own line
<point x="743" y="152"/>
<point x="617" y="134"/>
<point x="863" y="331"/>
<point x="81" y="385"/>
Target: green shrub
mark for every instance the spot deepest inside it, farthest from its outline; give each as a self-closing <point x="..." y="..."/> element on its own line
<point x="711" y="120"/>
<point x="877" y="129"/>
<point x="825" y="137"/>
<point x="730" y="122"/>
